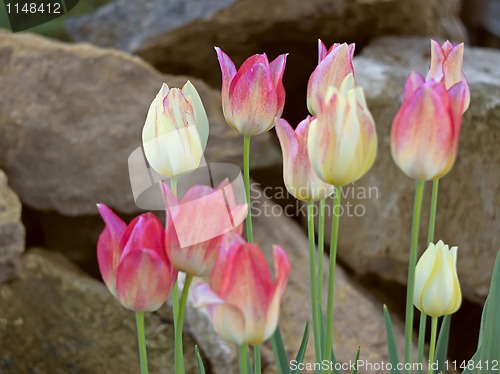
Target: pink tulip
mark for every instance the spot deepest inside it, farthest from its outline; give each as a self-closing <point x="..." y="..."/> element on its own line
<point x="425" y="131"/>
<point x="242" y="299"/>
<point x="446" y="66"/>
<point x="133" y="262"/>
<point x="254" y="95"/>
<point x="300" y="180"/>
<point x="197" y="224"/>
<point x="333" y="66"/>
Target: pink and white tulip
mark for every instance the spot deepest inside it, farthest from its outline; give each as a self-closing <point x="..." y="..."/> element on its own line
<point x="334" y="65"/>
<point x="254" y="95"/>
<point x="342" y="141"/>
<point x="175" y="133"/>
<point x="242" y="299"/>
<point x="425" y="131"/>
<point x="133" y="261"/>
<point x="446" y="67"/>
<point x="197" y="224"/>
<point x="300" y="180"/>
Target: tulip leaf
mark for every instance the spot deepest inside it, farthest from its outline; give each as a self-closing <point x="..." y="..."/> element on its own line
<point x="391" y="342"/>
<point x="302" y="349"/>
<point x="442" y="343"/>
<point x="355" y="368"/>
<point x="488" y="350"/>
<point x="201" y="368"/>
<point x="280" y="356"/>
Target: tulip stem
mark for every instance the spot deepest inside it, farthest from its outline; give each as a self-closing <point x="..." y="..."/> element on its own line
<point x="421" y="340"/>
<point x="321" y="252"/>
<point x="415" y="227"/>
<point x="312" y="275"/>
<point x="179" y="354"/>
<point x="432" y="348"/>
<point x="243" y="359"/>
<point x="331" y="273"/>
<point x="256" y="359"/>
<point x="430" y="239"/>
<point x="246" y="176"/>
<point x="175" y="289"/>
<point x="139" y="319"/>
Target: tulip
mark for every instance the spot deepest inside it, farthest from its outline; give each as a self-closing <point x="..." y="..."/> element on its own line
<point x="446" y="67"/>
<point x="254" y="95"/>
<point x="133" y="261"/>
<point x="342" y="142"/>
<point x="425" y="131"/>
<point x="197" y="224"/>
<point x="300" y="180"/>
<point x="176" y="131"/>
<point x="242" y="300"/>
<point x="333" y="66"/>
<point x="437" y="291"/>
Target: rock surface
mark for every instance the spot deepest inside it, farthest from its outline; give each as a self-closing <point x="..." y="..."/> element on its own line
<point x="178" y="35"/>
<point x="69" y="122"/>
<point x="359" y="319"/>
<point x="469" y="196"/>
<point x="54" y="319"/>
<point x="11" y="231"/>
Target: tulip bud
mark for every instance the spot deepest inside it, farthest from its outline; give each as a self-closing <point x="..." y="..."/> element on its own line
<point x="446" y="67"/>
<point x="197" y="224"/>
<point x="437" y="291"/>
<point x="342" y="141"/>
<point x="425" y="131"/>
<point x="242" y="300"/>
<point x="133" y="262"/>
<point x="300" y="180"/>
<point x="176" y="131"/>
<point x="333" y="66"/>
<point x="254" y="95"/>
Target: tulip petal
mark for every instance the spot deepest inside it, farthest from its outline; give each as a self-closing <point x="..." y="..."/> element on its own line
<point x="144" y="231"/>
<point x="322" y="51"/>
<point x="254" y="100"/>
<point x="452" y="65"/>
<point x="277" y="69"/>
<point x="201" y="118"/>
<point x="437" y="58"/>
<point x="109" y="249"/>
<point x="144" y="280"/>
<point x="227" y="68"/>
<point x="414" y="81"/>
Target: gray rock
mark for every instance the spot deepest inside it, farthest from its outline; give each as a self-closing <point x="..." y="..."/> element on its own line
<point x="469" y="196"/>
<point x="54" y="319"/>
<point x="69" y="122"/>
<point x="11" y="231"/>
<point x="178" y="35"/>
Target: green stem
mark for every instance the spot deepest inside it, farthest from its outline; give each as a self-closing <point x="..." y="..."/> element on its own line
<point x="430" y="239"/>
<point x="312" y="277"/>
<point x="139" y="319"/>
<point x="415" y="227"/>
<point x="243" y="359"/>
<point x="331" y="273"/>
<point x="246" y="176"/>
<point x="175" y="289"/>
<point x="256" y="359"/>
<point x="421" y="340"/>
<point x="179" y="355"/>
<point x="321" y="251"/>
<point x="432" y="348"/>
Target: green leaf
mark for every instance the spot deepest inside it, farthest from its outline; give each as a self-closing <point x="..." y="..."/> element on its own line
<point x="391" y="342"/>
<point x="302" y="349"/>
<point x="355" y="368"/>
<point x="488" y="350"/>
<point x="442" y="343"/>
<point x="201" y="368"/>
<point x="280" y="356"/>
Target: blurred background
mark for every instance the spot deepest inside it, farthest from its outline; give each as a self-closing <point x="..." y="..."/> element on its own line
<point x="74" y="94"/>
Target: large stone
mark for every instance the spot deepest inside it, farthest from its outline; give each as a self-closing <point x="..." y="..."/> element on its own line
<point x="359" y="319"/>
<point x="179" y="35"/>
<point x="54" y="319"/>
<point x="70" y="121"/>
<point x="378" y="240"/>
<point x="11" y="231"/>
